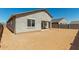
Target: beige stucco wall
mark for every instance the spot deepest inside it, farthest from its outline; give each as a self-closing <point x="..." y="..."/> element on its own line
<point x="63" y="21"/>
<point x="21" y="22"/>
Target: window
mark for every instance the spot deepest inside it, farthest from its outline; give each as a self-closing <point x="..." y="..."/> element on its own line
<point x="33" y="23"/>
<point x="30" y="23"/>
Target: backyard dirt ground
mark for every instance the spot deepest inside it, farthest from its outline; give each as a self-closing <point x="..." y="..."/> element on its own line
<point x="49" y="39"/>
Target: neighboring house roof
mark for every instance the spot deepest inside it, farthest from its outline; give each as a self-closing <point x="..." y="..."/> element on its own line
<point x="74" y="22"/>
<point x="57" y="20"/>
<point x="29" y="13"/>
<point x="0" y="24"/>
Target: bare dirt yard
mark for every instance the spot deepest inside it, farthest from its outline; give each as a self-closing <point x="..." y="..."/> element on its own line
<point x="49" y="39"/>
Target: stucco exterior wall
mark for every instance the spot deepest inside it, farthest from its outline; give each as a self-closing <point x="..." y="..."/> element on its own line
<point x="63" y="21"/>
<point x="11" y="25"/>
<point x="21" y="22"/>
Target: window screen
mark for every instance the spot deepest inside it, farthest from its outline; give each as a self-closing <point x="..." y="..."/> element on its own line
<point x="30" y="23"/>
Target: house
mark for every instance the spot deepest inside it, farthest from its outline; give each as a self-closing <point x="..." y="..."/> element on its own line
<point x="74" y="22"/>
<point x="29" y="21"/>
<point x="57" y="22"/>
<point x="74" y="25"/>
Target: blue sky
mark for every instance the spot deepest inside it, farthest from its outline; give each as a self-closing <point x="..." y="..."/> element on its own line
<point x="70" y="14"/>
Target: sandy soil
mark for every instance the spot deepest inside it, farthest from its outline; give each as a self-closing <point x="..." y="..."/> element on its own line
<point x="49" y="39"/>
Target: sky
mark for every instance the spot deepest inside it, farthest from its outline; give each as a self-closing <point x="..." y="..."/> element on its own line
<point x="70" y="14"/>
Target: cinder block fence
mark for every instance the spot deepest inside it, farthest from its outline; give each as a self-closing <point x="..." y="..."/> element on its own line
<point x="66" y="26"/>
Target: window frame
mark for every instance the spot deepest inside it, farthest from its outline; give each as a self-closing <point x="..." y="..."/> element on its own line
<point x="32" y="22"/>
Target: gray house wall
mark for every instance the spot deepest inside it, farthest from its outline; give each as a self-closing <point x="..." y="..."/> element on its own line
<point x="11" y="24"/>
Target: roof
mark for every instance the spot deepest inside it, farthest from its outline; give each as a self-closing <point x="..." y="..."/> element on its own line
<point x="57" y="20"/>
<point x="0" y="24"/>
<point x="29" y="13"/>
<point x="74" y="22"/>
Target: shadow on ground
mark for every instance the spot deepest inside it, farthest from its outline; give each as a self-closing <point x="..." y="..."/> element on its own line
<point x="1" y="31"/>
<point x="75" y="44"/>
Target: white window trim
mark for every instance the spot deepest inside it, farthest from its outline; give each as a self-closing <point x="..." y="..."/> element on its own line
<point x="31" y="24"/>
